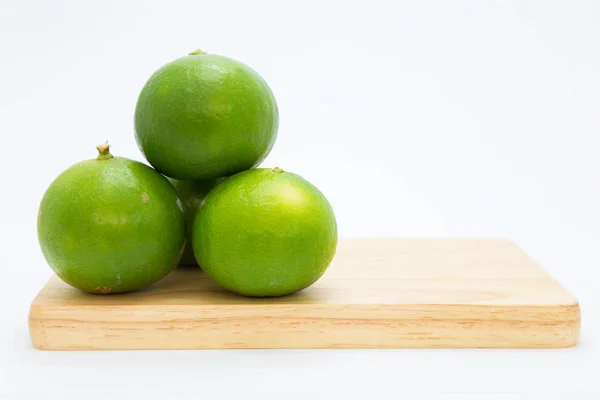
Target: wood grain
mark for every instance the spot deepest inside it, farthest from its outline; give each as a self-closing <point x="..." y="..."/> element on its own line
<point x="376" y="293"/>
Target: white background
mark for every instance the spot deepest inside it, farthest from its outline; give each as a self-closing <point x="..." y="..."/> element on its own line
<point x="416" y="119"/>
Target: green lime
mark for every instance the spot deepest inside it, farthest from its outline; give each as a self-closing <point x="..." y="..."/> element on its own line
<point x="192" y="194"/>
<point x="205" y="116"/>
<point x="111" y="225"/>
<point x="265" y="232"/>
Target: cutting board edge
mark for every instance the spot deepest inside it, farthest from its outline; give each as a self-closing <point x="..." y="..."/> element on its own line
<point x="395" y="326"/>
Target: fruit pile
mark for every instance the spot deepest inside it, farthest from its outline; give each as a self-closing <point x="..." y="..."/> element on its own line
<point x="204" y="123"/>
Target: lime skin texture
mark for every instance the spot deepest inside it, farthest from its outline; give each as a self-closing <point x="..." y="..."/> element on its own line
<point x="264" y="233"/>
<point x="191" y="194"/>
<point x="111" y="225"/>
<point x="205" y="116"/>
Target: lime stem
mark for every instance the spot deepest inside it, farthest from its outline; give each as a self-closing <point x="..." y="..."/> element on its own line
<point x="103" y="153"/>
<point x="277" y="169"/>
<point x="196" y="52"/>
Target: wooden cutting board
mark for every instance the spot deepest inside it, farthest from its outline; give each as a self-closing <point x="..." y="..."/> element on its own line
<point x="376" y="293"/>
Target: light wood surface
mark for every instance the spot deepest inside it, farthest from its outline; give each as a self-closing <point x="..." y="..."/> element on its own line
<point x="376" y="293"/>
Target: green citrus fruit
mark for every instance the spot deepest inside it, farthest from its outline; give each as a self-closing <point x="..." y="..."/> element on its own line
<point x="192" y="194"/>
<point x="111" y="225"/>
<point x="265" y="232"/>
<point x="205" y="116"/>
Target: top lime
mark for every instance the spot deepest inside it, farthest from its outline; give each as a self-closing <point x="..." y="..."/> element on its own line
<point x="111" y="225"/>
<point x="205" y="116"/>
